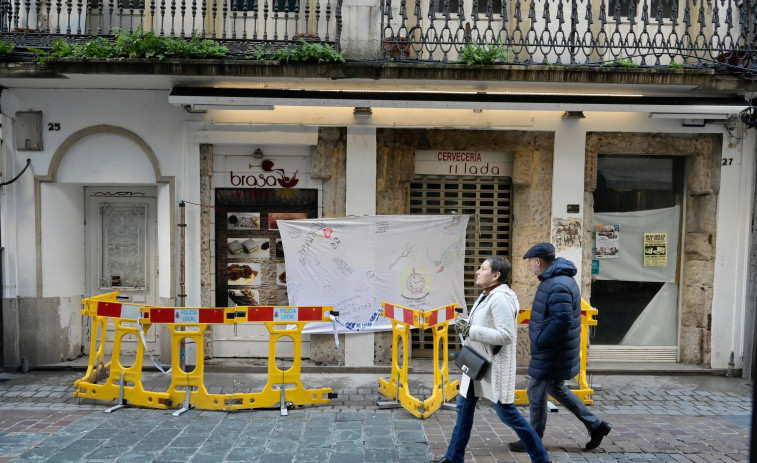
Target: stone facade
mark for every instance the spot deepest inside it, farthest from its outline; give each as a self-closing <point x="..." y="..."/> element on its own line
<point x="698" y="266"/>
<point x="531" y="194"/>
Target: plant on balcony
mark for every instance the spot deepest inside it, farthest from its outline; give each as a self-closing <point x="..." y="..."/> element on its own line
<point x="621" y="62"/>
<point x="6" y="48"/>
<point x="304" y="52"/>
<point x="484" y="54"/>
<point x="138" y="44"/>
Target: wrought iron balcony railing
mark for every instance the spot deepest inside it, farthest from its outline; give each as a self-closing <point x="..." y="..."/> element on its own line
<point x="235" y="23"/>
<point x="696" y="33"/>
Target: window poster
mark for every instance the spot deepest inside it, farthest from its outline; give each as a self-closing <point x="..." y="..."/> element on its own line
<point x="607" y="242"/>
<point x="281" y="272"/>
<point x="243" y="220"/>
<point x="249" y="253"/>
<point x="655" y="249"/>
<point x="243" y="273"/>
<point x="244" y="297"/>
<point x="257" y="248"/>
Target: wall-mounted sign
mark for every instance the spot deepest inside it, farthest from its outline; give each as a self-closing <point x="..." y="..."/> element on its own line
<point x="461" y="162"/>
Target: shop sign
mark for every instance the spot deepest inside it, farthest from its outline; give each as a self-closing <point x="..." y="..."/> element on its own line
<point x="270" y="177"/>
<point x="464" y="162"/>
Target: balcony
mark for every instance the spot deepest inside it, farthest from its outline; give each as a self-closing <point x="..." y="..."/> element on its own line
<point x="633" y="33"/>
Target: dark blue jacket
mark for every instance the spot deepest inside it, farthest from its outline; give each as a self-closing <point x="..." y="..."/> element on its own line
<point x="555" y="326"/>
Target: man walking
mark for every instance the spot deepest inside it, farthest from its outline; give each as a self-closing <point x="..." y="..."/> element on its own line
<point x="555" y="334"/>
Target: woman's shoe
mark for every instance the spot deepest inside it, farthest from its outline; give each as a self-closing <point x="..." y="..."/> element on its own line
<point x="598" y="434"/>
<point x="443" y="460"/>
<point x="516" y="446"/>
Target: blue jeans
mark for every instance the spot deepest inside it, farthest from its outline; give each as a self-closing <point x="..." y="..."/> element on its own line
<point x="538" y="389"/>
<point x="509" y="415"/>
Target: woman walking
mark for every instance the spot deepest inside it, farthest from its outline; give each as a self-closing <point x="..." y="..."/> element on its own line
<point x="492" y="323"/>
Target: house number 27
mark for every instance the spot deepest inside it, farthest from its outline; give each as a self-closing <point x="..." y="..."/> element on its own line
<point x="727" y="161"/>
<point x="53" y="126"/>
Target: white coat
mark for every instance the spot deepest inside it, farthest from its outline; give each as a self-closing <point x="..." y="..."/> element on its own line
<point x="494" y="322"/>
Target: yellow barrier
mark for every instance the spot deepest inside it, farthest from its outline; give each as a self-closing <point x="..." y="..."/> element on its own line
<point x="402" y="318"/>
<point x="190" y="324"/>
<point x="584" y="391"/>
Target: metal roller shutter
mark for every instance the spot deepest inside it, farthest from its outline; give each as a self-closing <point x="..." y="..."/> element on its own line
<point x="487" y="201"/>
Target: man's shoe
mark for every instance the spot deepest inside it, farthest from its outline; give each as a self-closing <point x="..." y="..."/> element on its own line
<point x="516" y="446"/>
<point x="598" y="434"/>
<point x="443" y="460"/>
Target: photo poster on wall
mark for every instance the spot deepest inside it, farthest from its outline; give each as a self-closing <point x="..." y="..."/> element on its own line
<point x="355" y="263"/>
<point x="607" y="242"/>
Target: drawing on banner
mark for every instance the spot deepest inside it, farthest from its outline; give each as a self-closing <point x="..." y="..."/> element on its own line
<point x="243" y="220"/>
<point x="416" y="283"/>
<point x="607" y="240"/>
<point x="244" y="297"/>
<point x="355" y="263"/>
<point x="243" y="273"/>
<point x="567" y="233"/>
<point x="252" y="247"/>
<point x="407" y="251"/>
<point x="655" y="249"/>
<point x="454" y="253"/>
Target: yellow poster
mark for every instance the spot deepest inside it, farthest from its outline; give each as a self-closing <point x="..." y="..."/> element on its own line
<point x="655" y="249"/>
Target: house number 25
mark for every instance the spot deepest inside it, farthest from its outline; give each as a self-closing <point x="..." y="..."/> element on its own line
<point x="53" y="126"/>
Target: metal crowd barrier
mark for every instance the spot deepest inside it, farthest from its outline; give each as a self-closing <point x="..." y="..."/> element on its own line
<point x="187" y="387"/>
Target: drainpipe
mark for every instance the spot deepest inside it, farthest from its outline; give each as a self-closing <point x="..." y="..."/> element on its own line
<point x="182" y="269"/>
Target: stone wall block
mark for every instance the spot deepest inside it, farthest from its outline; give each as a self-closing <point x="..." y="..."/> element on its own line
<point x="691" y="344"/>
<point x="522" y="162"/>
<point x="700" y="178"/>
<point x="693" y="305"/>
<point x="382" y="348"/>
<point x="523" y="348"/>
<point x="590" y="172"/>
<point x="699" y="273"/>
<point x="331" y="140"/>
<point x="708" y="213"/>
<point x="699" y="246"/>
<point x="323" y="349"/>
<point x="541" y="210"/>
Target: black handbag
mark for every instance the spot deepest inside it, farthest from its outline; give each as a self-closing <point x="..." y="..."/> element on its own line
<point x="472" y="363"/>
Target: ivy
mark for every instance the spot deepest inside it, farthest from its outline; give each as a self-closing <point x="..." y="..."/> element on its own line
<point x="484" y="54"/>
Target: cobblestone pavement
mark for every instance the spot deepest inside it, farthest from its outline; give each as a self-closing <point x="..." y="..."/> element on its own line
<point x="654" y="418"/>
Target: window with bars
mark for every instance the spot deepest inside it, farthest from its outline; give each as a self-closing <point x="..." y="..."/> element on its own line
<point x="487" y="201"/>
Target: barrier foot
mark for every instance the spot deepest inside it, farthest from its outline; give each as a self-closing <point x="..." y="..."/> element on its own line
<point x="283" y="408"/>
<point x="445" y="405"/>
<point x="121" y="401"/>
<point x="396" y="403"/>
<point x="187" y="406"/>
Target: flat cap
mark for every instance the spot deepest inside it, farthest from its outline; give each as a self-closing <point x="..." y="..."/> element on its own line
<point x="540" y="250"/>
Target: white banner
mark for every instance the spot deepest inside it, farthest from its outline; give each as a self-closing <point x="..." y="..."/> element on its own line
<point x="629" y="266"/>
<point x="355" y="263"/>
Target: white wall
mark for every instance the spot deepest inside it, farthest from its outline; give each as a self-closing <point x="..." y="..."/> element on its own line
<point x="732" y="250"/>
<point x="144" y="112"/>
<point x="63" y="261"/>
